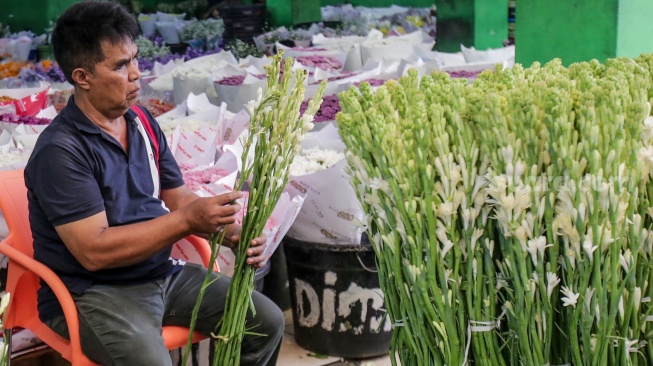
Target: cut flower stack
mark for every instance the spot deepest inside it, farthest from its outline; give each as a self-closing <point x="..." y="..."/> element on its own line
<point x="510" y="217"/>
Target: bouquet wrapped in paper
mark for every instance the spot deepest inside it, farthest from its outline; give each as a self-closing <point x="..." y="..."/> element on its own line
<point x="331" y="213"/>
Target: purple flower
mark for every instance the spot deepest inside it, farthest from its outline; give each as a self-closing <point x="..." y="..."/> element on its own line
<point x="55" y="74"/>
<point x="372" y="82"/>
<point x="28" y="120"/>
<point x="464" y="74"/>
<point x="235" y="80"/>
<point x="321" y="62"/>
<point x="328" y="109"/>
<point x="191" y="53"/>
<point x="146" y="64"/>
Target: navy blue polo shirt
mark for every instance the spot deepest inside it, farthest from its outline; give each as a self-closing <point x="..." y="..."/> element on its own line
<point x="77" y="170"/>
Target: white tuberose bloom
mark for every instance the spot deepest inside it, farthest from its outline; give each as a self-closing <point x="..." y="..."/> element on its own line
<point x="536" y="246"/>
<point x="253" y="104"/>
<point x="378" y="183"/>
<point x="589" y="248"/>
<point x="626" y="260"/>
<point x="552" y="281"/>
<point x="570" y="297"/>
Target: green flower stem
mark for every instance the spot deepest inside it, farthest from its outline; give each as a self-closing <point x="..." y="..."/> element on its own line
<point x="215" y="242"/>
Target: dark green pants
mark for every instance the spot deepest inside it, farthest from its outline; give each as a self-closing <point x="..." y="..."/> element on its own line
<point x="121" y="325"/>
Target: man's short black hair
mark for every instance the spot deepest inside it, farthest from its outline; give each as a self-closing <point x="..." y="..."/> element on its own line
<point x="78" y="35"/>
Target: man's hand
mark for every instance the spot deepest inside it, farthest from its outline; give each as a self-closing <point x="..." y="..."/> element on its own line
<point x="255" y="257"/>
<point x="211" y="214"/>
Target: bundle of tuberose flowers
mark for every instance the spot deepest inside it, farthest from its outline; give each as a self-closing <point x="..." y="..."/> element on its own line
<point x="510" y="216"/>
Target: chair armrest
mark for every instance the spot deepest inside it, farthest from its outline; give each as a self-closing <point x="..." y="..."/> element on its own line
<point x="60" y="290"/>
<point x="203" y="249"/>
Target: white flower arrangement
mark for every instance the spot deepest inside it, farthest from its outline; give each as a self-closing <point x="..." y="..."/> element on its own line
<point x="147" y="49"/>
<point x="242" y="49"/>
<point x="200" y="68"/>
<point x="314" y="160"/>
<point x="202" y="29"/>
<point x="13" y="159"/>
<point x="187" y="124"/>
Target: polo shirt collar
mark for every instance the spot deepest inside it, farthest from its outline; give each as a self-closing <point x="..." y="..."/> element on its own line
<point x="73" y="114"/>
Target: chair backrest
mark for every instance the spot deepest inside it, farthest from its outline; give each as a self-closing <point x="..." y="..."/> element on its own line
<point x="24" y="273"/>
<point x="13" y="203"/>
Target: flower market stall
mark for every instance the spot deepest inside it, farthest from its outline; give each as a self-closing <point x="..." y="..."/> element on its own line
<point x="202" y="97"/>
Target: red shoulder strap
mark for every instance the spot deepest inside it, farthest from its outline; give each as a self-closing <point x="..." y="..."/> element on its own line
<point x="150" y="132"/>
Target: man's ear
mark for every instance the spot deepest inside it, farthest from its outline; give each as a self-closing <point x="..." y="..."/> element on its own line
<point x="81" y="77"/>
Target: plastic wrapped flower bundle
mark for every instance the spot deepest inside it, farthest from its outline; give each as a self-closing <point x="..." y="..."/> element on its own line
<point x="275" y="131"/>
<point x="510" y="216"/>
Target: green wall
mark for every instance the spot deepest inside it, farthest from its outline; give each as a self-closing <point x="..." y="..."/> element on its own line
<point x="291" y="12"/>
<point x="582" y="30"/>
<point x="490" y="23"/>
<point x="33" y="15"/>
<point x="382" y="3"/>
<point x="479" y="23"/>
<point x="635" y="28"/>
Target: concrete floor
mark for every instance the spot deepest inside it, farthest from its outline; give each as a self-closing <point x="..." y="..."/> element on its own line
<point x="293" y="355"/>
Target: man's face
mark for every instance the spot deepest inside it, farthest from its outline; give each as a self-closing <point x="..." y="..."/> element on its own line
<point x="114" y="85"/>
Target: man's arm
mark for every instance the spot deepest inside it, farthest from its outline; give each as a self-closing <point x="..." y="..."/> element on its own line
<point x="97" y="246"/>
<point x="178" y="197"/>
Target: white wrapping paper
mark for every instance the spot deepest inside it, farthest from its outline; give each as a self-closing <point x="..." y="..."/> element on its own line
<point x="280" y="220"/>
<point x="499" y="55"/>
<point x="23" y="46"/>
<point x="169" y="31"/>
<point x="349" y="44"/>
<point x="148" y="24"/>
<point x="394" y="48"/>
<point x="25" y="136"/>
<point x="197" y="139"/>
<point x="331" y="212"/>
<point x="236" y="96"/>
<point x="196" y="76"/>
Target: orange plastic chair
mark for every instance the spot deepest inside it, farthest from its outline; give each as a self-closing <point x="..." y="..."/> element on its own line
<point x="24" y="273"/>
